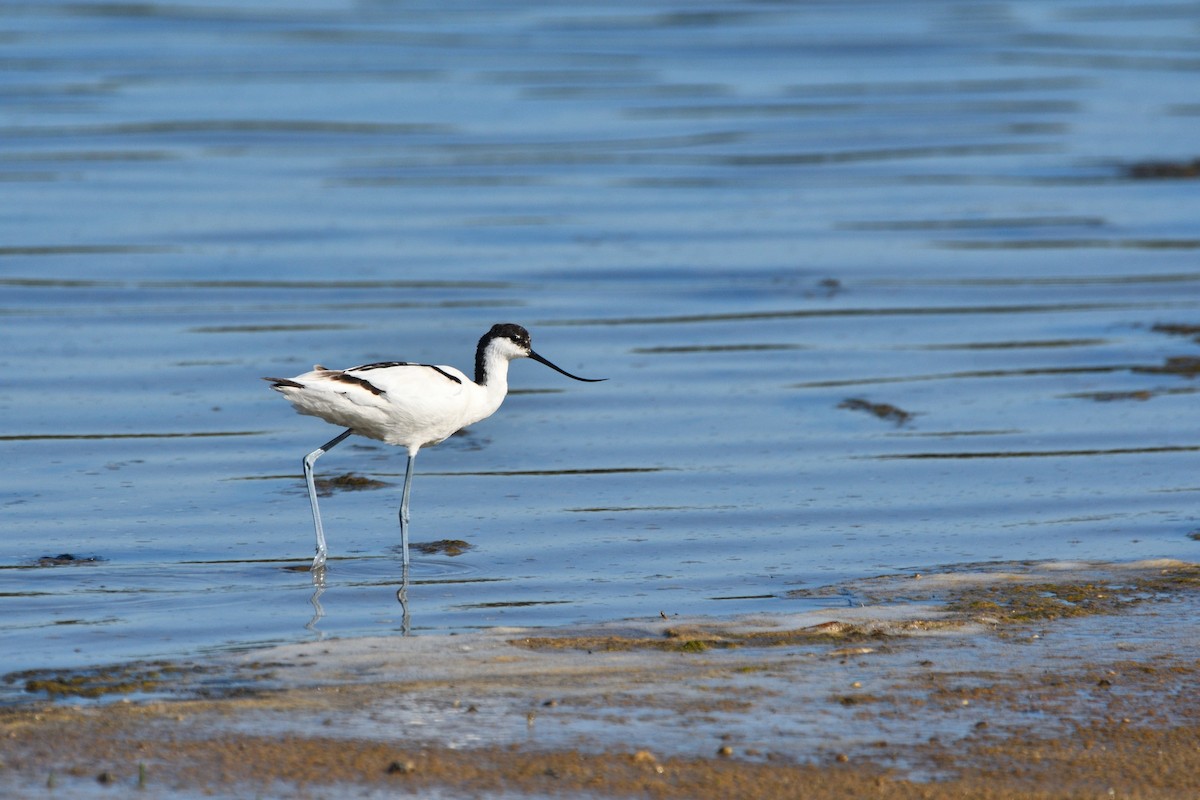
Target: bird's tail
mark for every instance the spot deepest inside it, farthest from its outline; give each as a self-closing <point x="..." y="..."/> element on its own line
<point x="279" y="383"/>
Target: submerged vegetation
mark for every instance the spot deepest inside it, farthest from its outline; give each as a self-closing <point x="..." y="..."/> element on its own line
<point x="1038" y="601"/>
<point x="99" y="681"/>
<point x="348" y="482"/>
<point x="885" y="411"/>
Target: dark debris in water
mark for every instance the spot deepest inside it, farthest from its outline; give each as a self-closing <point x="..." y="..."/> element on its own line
<point x="1176" y="329"/>
<point x="1136" y="394"/>
<point x="1164" y="170"/>
<point x="446" y="547"/>
<point x="1111" y="397"/>
<point x="885" y="411"/>
<point x="66" y="559"/>
<point x="347" y="483"/>
<point x="828" y="287"/>
<point x="1183" y="366"/>
<point x="712" y="348"/>
<point x="517" y="604"/>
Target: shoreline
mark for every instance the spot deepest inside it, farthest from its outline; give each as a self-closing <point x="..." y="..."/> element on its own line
<point x="1027" y="681"/>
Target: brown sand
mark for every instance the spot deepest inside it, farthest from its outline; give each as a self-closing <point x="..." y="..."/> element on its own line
<point x="1103" y="759"/>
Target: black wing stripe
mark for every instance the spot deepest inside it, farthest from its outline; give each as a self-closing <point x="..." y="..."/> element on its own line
<point x="442" y="371"/>
<point x="386" y="364"/>
<point x="382" y="365"/>
<point x="354" y="379"/>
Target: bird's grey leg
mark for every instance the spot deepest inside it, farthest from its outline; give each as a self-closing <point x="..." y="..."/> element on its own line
<point x="408" y="473"/>
<point x="309" y="460"/>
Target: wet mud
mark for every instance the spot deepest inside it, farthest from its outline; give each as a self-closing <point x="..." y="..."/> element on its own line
<point x="1102" y="759"/>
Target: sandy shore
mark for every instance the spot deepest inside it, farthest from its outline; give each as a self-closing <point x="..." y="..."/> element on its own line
<point x="1049" y="681"/>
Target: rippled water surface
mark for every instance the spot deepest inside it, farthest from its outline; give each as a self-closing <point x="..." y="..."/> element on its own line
<point x="878" y="287"/>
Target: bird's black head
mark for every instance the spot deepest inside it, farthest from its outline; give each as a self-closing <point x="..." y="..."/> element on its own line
<point x="519" y="337"/>
<point x="506" y="330"/>
<point x="501" y="330"/>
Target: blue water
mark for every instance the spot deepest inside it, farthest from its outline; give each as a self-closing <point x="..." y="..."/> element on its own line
<point x="742" y="215"/>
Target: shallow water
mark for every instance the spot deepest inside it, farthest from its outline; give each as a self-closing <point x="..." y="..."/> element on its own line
<point x="744" y="217"/>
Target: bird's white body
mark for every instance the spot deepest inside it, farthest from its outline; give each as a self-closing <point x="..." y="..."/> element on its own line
<point x="405" y="404"/>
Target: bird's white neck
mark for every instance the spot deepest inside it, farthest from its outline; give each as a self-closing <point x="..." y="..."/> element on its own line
<point x="491" y="372"/>
<point x="491" y="363"/>
<point x="491" y="378"/>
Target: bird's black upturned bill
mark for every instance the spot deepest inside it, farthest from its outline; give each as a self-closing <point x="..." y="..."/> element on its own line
<point x="541" y="360"/>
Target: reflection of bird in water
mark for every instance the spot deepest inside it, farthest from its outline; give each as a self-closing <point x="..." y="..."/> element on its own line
<point x="319" y="610"/>
<point x="402" y="599"/>
<point x="406" y="404"/>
